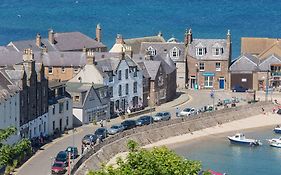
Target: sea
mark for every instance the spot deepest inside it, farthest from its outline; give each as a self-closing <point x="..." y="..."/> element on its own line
<point x="215" y="152"/>
<point x="23" y="19"/>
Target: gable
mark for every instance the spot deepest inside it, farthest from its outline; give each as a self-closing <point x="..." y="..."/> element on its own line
<point x="243" y="64"/>
<point x="265" y="65"/>
<point x="275" y="49"/>
<point x="92" y="100"/>
<point x="89" y="74"/>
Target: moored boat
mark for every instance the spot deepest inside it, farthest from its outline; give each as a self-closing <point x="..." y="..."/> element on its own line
<point x="240" y="138"/>
<point x="277" y="129"/>
<point x="275" y="142"/>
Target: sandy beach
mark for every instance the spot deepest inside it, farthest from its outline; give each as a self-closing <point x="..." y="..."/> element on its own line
<point x="239" y="125"/>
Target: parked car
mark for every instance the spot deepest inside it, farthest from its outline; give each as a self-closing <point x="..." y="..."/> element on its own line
<point x="115" y="129"/>
<point x="61" y="157"/>
<point x="162" y="116"/>
<point x="58" y="168"/>
<point x="73" y="151"/>
<point x="187" y="112"/>
<point x="144" y="120"/>
<point x="89" y="138"/>
<point x="101" y="133"/>
<point x="238" y="88"/>
<point x="129" y="124"/>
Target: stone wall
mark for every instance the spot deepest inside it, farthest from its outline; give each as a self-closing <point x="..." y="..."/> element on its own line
<point x="163" y="130"/>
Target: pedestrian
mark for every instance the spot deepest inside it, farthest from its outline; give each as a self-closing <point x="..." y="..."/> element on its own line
<point x="262" y="109"/>
<point x="177" y="111"/>
<point x="101" y="123"/>
<point x="82" y="149"/>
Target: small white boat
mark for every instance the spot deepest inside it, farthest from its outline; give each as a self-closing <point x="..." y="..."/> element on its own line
<point x="275" y="142"/>
<point x="277" y="129"/>
<point x="240" y="138"/>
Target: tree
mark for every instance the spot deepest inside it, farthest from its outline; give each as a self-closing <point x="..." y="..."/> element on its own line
<point x="158" y="161"/>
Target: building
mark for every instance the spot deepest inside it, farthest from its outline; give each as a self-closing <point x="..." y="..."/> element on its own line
<point x="60" y="108"/>
<point x="90" y="102"/>
<point x="9" y="107"/>
<point x="29" y="76"/>
<point x="208" y="61"/>
<point x="63" y="42"/>
<point x="122" y="76"/>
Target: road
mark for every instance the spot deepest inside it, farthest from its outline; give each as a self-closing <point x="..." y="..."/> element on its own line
<point x="40" y="164"/>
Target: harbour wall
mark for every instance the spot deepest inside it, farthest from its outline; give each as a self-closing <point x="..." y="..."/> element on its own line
<point x="145" y="135"/>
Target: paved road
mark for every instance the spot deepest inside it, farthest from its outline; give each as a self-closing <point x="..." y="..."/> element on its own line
<point x="40" y="164"/>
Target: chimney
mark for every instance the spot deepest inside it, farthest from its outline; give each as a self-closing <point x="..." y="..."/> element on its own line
<point x="160" y="33"/>
<point x="38" y="40"/>
<point x="90" y="56"/>
<point x="51" y="36"/>
<point x="228" y="36"/>
<point x="119" y="39"/>
<point x="188" y="37"/>
<point x="229" y="45"/>
<point x="98" y="33"/>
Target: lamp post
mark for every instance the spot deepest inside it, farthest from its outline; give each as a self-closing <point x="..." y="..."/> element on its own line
<point x="197" y="79"/>
<point x="148" y="98"/>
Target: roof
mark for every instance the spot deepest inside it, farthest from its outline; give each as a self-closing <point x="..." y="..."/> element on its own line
<point x="69" y="41"/>
<point x="152" y="68"/>
<point x="164" y="48"/>
<point x="7" y="87"/>
<point x="55" y="84"/>
<point x="135" y="43"/>
<point x="256" y="45"/>
<point x="245" y="62"/>
<point x="56" y="58"/>
<point x="209" y="45"/>
<point x="78" y="87"/>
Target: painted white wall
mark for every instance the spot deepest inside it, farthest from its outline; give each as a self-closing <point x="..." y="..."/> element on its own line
<point x="55" y="116"/>
<point x="78" y="113"/>
<point x="90" y="74"/>
<point x="10" y="116"/>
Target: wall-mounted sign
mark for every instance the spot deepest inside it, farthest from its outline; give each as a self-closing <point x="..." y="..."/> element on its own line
<point x="244" y="79"/>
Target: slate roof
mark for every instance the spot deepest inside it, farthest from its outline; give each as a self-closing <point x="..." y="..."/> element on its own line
<point x="152" y="68"/>
<point x="69" y="41"/>
<point x="64" y="59"/>
<point x="245" y="63"/>
<point x="7" y="87"/>
<point x="164" y="48"/>
<point x="135" y="43"/>
<point x="208" y="44"/>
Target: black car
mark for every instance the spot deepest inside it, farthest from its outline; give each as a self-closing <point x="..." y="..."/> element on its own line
<point x="238" y="88"/>
<point x="129" y="124"/>
<point x="89" y="138"/>
<point x="62" y="157"/>
<point x="73" y="152"/>
<point x="144" y="120"/>
<point x="101" y="133"/>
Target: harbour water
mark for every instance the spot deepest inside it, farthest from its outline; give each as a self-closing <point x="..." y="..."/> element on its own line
<point x="215" y="152"/>
<point x="133" y="18"/>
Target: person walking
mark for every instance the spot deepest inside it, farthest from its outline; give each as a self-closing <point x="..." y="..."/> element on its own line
<point x="177" y="111"/>
<point x="82" y="148"/>
<point x="101" y="123"/>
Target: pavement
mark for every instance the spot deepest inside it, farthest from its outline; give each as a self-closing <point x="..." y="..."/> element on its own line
<point x="41" y="162"/>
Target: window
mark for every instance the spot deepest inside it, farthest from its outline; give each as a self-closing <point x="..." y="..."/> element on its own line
<point x="44" y="91"/>
<point x="135" y="72"/>
<point x="50" y="70"/>
<point x="162" y="94"/>
<point x="217" y="51"/>
<point x="34" y="131"/>
<point x="208" y="81"/>
<point x="151" y="51"/>
<point x="174" y="53"/>
<point x="126" y="73"/>
<point x="76" y="98"/>
<point x="54" y="109"/>
<point x="60" y="107"/>
<point x="67" y="121"/>
<point x="54" y="125"/>
<point x="201" y="66"/>
<point x="218" y="66"/>
<point x="62" y="69"/>
<point x="76" y="69"/>
<point x="135" y="87"/>
<point x="120" y="90"/>
<point x="110" y="75"/>
<point x="67" y="105"/>
<point x="119" y="75"/>
<point x="110" y="92"/>
<point x="127" y="89"/>
<point x="200" y="51"/>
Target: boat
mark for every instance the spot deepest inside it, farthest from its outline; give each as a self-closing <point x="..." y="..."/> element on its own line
<point x="240" y="138"/>
<point x="275" y="142"/>
<point x="277" y="129"/>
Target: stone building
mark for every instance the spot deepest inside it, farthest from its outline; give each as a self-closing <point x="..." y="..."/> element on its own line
<point x="29" y="76"/>
<point x="208" y="61"/>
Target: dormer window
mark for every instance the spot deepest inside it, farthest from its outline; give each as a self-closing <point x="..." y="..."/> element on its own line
<point x="217" y="51"/>
<point x="200" y="51"/>
<point x="174" y="53"/>
<point x="151" y="51"/>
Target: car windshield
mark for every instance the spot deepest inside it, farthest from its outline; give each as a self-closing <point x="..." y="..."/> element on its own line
<point x="58" y="165"/>
<point x="159" y="114"/>
<point x="100" y="131"/>
<point x="114" y="127"/>
<point x="87" y="136"/>
<point x="187" y="110"/>
<point x="61" y="156"/>
<point x="144" y="117"/>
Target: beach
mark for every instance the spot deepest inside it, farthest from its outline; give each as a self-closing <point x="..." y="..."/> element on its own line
<point x="258" y="121"/>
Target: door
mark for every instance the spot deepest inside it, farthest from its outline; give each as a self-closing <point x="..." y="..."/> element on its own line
<point x="221" y="83"/>
<point x="192" y="83"/>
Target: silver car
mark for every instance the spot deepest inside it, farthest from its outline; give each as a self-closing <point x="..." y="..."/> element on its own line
<point x="115" y="129"/>
<point x="162" y="116"/>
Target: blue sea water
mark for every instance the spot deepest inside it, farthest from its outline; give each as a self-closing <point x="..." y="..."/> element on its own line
<point x="216" y="153"/>
<point x="22" y="19"/>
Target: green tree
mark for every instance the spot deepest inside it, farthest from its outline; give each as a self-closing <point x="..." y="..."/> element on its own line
<point x="158" y="161"/>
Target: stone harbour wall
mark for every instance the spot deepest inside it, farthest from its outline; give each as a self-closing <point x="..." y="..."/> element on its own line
<point x="158" y="131"/>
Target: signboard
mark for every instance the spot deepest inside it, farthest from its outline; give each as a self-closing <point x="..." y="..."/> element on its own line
<point x="244" y="79"/>
<point x="208" y="74"/>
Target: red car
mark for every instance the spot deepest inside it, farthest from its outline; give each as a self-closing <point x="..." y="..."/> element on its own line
<point x="58" y="168"/>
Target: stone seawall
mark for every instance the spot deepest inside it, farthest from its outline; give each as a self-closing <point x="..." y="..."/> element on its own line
<point x="163" y="130"/>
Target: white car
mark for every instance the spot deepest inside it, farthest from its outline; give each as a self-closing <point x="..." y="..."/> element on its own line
<point x="187" y="112"/>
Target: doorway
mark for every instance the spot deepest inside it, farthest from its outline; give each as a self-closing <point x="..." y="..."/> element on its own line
<point x="221" y="83"/>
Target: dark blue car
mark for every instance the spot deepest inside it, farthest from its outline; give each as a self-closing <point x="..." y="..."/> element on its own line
<point x="144" y="120"/>
<point x="239" y="88"/>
